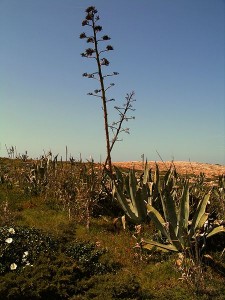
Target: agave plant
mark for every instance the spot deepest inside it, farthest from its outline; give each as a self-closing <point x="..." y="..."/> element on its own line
<point x="219" y="192"/>
<point x="135" y="194"/>
<point x="132" y="195"/>
<point x="180" y="231"/>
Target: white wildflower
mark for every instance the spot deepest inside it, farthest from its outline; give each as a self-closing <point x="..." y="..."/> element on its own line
<point x="13" y="266"/>
<point x="9" y="240"/>
<point x="25" y="254"/>
<point x="28" y="264"/>
<point x="11" y="230"/>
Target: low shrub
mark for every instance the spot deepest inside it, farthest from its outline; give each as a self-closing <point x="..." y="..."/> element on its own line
<point x="21" y="246"/>
<point x="34" y="265"/>
<point x="90" y="259"/>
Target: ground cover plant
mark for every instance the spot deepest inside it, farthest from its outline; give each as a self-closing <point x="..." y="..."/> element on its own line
<point x="45" y="241"/>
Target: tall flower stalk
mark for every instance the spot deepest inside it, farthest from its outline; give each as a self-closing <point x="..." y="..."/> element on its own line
<point x="97" y="53"/>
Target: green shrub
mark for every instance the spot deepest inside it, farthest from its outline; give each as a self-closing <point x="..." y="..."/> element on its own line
<point x="122" y="285"/>
<point x="21" y="246"/>
<point x="90" y="259"/>
<point x="128" y="288"/>
<point x="33" y="265"/>
<point x="51" y="277"/>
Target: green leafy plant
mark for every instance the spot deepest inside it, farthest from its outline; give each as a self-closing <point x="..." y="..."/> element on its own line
<point x="20" y="247"/>
<point x="219" y="192"/>
<point x="131" y="195"/>
<point x="89" y="258"/>
<point x="134" y="191"/>
<point x="55" y="270"/>
<point x="180" y="231"/>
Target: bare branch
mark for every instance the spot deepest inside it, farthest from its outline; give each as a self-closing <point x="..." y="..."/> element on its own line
<point x="123" y="117"/>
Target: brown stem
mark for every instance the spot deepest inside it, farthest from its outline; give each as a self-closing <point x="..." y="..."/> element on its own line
<point x="123" y="116"/>
<point x="104" y="100"/>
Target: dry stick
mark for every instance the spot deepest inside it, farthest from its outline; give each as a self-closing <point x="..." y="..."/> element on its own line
<point x="103" y="98"/>
<point x="191" y="166"/>
<point x="118" y="130"/>
<point x="7" y="150"/>
<point x="162" y="159"/>
<point x="16" y="152"/>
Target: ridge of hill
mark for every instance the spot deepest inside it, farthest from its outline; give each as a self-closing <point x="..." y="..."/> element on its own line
<point x="182" y="167"/>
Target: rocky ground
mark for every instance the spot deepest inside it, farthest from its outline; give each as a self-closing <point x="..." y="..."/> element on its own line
<point x="182" y="167"/>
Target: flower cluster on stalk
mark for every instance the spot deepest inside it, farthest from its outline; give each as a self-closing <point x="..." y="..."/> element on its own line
<point x="91" y="20"/>
<point x="97" y="52"/>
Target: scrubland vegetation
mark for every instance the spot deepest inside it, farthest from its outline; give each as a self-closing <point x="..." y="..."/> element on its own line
<point x="62" y="232"/>
<point x="80" y="230"/>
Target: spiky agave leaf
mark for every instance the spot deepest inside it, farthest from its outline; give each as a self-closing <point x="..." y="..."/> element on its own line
<point x="169" y="209"/>
<point x="131" y="198"/>
<point x="202" y="221"/>
<point x="150" y="245"/>
<point x="183" y="213"/>
<point x="198" y="214"/>
<point x="132" y="187"/>
<point x="146" y="173"/>
<point x="216" y="230"/>
<point x="158" y="220"/>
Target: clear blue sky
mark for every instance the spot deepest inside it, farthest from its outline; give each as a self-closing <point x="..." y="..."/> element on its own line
<point x="171" y="53"/>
